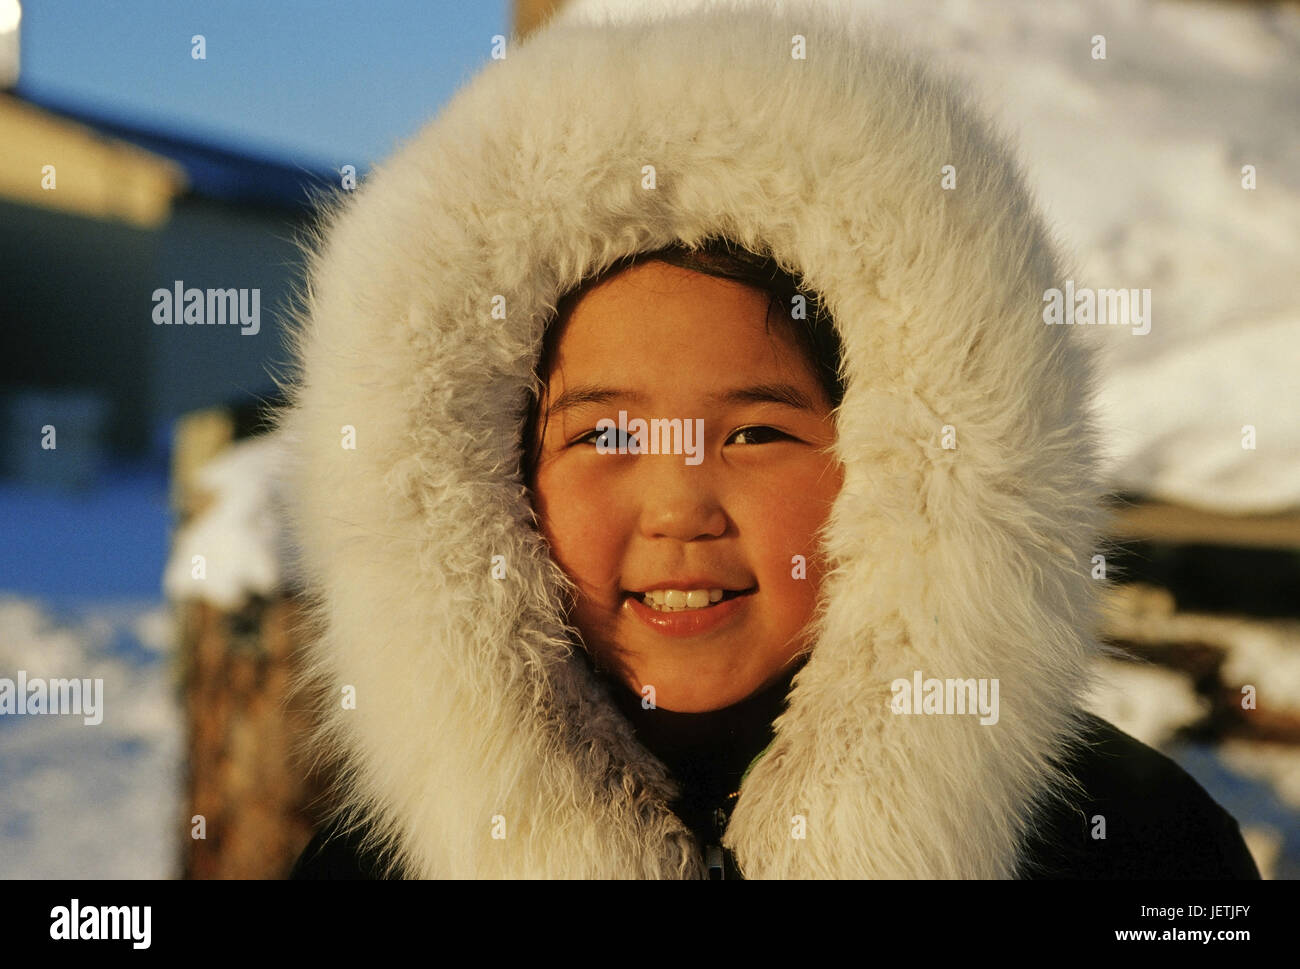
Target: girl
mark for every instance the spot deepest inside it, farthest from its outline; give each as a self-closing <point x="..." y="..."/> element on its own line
<point x="687" y="485"/>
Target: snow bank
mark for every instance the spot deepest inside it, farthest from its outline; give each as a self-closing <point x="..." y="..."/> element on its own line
<point x="84" y="801"/>
<point x="237" y="547"/>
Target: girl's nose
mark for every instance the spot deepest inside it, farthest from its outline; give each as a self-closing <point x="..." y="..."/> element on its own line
<point x="678" y="500"/>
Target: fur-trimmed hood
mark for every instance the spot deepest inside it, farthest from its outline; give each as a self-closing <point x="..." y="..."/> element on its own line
<point x="961" y="540"/>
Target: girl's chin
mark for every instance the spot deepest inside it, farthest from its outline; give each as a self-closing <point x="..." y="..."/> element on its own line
<point x="681" y="686"/>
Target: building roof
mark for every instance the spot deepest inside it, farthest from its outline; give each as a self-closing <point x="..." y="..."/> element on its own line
<point x="212" y="170"/>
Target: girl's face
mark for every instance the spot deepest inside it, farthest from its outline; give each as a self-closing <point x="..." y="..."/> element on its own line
<point x="739" y="512"/>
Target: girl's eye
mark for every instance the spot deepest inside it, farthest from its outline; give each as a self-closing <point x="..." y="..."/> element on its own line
<point x="609" y="437"/>
<point x="758" y="435"/>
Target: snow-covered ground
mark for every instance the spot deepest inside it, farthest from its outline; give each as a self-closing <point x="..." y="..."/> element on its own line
<point x="81" y="596"/>
<point x="91" y="801"/>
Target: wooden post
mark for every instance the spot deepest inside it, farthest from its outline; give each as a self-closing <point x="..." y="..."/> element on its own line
<point x="249" y="797"/>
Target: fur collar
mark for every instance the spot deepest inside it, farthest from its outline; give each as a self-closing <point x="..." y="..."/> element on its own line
<point x="471" y="711"/>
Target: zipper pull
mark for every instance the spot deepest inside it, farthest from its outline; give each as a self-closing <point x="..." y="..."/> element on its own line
<point x="714" y="859"/>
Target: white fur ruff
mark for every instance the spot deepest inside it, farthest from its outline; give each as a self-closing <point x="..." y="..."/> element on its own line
<point x="472" y="714"/>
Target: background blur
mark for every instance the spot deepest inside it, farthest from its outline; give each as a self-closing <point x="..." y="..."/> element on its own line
<point x="169" y="141"/>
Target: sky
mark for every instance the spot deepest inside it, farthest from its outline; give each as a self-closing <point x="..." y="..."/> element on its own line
<point x="314" y="82"/>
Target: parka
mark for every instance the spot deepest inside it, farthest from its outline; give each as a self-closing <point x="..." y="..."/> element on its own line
<point x="476" y="738"/>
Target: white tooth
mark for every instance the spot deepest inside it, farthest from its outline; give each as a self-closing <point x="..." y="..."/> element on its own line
<point x="678" y="600"/>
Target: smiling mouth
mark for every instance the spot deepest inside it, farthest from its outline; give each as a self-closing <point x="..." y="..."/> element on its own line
<point x="680" y="601"/>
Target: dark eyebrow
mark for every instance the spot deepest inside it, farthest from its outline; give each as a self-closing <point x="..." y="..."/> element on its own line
<point x="786" y="394"/>
<point x="775" y="393"/>
<point x="591" y="394"/>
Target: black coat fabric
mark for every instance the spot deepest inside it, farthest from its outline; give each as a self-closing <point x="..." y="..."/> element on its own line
<point x="1159" y="822"/>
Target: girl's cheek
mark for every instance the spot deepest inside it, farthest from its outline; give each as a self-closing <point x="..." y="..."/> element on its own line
<point x="793" y="492"/>
<point x="580" y="518"/>
<point x="794" y="515"/>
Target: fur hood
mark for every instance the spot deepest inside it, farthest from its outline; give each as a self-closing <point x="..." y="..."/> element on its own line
<point x="960" y="543"/>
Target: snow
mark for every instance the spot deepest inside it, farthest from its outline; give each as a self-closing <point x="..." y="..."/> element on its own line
<point x="1148" y="702"/>
<point x="84" y="801"/>
<point x="1267" y="656"/>
<point x="1194" y="455"/>
<point x="241" y="535"/>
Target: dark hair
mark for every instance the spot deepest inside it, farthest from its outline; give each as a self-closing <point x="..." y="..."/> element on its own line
<point x="815" y="334"/>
